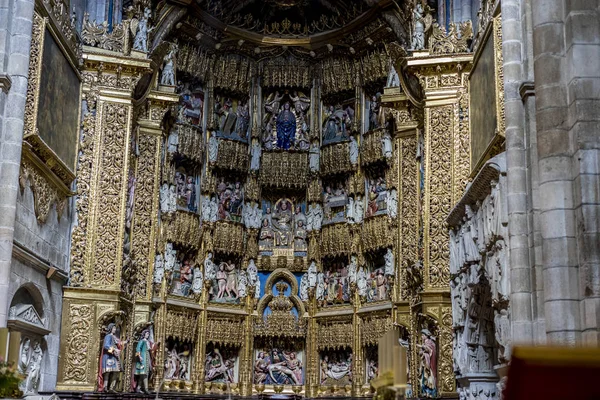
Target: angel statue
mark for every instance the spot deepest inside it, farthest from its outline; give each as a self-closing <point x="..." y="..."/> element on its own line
<point x="422" y="21"/>
<point x="167" y="76"/>
<point x="141" y="30"/>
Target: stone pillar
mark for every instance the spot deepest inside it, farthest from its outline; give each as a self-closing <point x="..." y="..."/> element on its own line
<point x="566" y="54"/>
<point x="16" y="20"/>
<point x="518" y="190"/>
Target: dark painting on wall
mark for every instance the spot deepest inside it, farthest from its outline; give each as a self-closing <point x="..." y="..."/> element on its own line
<point x="59" y="103"/>
<point x="483" y="116"/>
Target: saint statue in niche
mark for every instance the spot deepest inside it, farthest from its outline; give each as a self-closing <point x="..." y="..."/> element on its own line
<point x="286" y="128"/>
<point x="282" y="223"/>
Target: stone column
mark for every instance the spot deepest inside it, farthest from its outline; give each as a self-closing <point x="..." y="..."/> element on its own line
<point x="518" y="190"/>
<point x="16" y="20"/>
<point x="566" y="54"/>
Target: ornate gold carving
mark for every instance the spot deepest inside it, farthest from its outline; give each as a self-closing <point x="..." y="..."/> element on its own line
<point x="252" y="189"/>
<point x="181" y="325"/>
<point x="281" y="322"/>
<point x="109" y="191"/>
<point x="209" y="182"/>
<point x="102" y="36"/>
<point x="334" y="240"/>
<point x="286" y="72"/>
<point x="499" y="65"/>
<point x="58" y="11"/>
<point x="225" y="330"/>
<point x="462" y="146"/>
<point x="146" y="211"/>
<point x="438" y="194"/>
<point x="455" y="40"/>
<point x="314" y="193"/>
<point x="78" y="344"/>
<point x="371" y="150"/>
<point x="335" y="159"/>
<point x="33" y="83"/>
<point x="335" y="335"/>
<point x="232" y="72"/>
<point x="374" y="328"/>
<point x="252" y="243"/>
<point x="446" y="370"/>
<point x="194" y="61"/>
<point x="190" y="142"/>
<point x="232" y="155"/>
<point x="183" y="229"/>
<point x="229" y="237"/>
<point x="284" y="169"/>
<point x="356" y="183"/>
<point x="376" y="233"/>
<point x="409" y="232"/>
<point x="45" y="193"/>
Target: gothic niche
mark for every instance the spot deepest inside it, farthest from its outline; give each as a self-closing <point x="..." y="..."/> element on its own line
<point x="336" y="367"/>
<point x="374" y="282"/>
<point x="232" y="116"/>
<point x="178" y="362"/>
<point x="286" y="120"/>
<point x="227" y="283"/>
<point x="191" y="104"/>
<point x="377" y="194"/>
<point x="186" y="276"/>
<point x="338" y="121"/>
<point x="335" y="200"/>
<point x="336" y="282"/>
<point x="230" y="197"/>
<point x="221" y="364"/>
<point x="284" y="227"/>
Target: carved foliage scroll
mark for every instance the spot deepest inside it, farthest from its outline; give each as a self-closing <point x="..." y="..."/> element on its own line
<point x="110" y="192"/>
<point x="408" y="253"/>
<point x="335" y="335"/>
<point x="438" y="194"/>
<point x="78" y="341"/>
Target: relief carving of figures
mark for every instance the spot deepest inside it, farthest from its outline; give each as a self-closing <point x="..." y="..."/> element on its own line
<point x="177" y="360"/>
<point x="386" y="145"/>
<point x="191" y="107"/>
<point x="337" y="123"/>
<point x="30" y="364"/>
<point x="145" y="355"/>
<point x="362" y="283"/>
<point x="242" y="119"/>
<point x="170" y="257"/>
<point x="377" y="192"/>
<point x="183" y="275"/>
<point x="283" y="226"/>
<point x="186" y="190"/>
<point x="469" y="233"/>
<point x="110" y="360"/>
<point x="286" y="123"/>
<point x="197" y="281"/>
<point x="224" y="287"/>
<point x="428" y="365"/>
<point x="278" y="367"/>
<point x="252" y="215"/>
<point x="210" y="270"/>
<point x="231" y="200"/>
<point x="303" y="290"/>
<point x="168" y="198"/>
<point x="242" y="285"/>
<point x="503" y="335"/>
<point x="335" y="199"/>
<point x="336" y="284"/>
<point x="167" y="76"/>
<point x="219" y="368"/>
<point x="336" y="368"/>
<point x="353" y="270"/>
<point x="141" y="30"/>
<point x="359" y="209"/>
<point x="312" y="275"/>
<point x="320" y="287"/>
<point x="226" y="117"/>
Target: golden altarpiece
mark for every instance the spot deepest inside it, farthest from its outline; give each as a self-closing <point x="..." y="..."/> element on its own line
<point x="260" y="208"/>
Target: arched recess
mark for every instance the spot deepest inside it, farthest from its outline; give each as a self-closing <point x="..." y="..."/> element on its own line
<point x="290" y="279"/>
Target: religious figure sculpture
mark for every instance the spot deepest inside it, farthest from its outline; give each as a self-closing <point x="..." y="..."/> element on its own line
<point x="320" y="290"/>
<point x="312" y="275"/>
<point x="361" y="282"/>
<point x="469" y="233"/>
<point x="253" y="280"/>
<point x="503" y="334"/>
<point x="282" y="223"/>
<point x="314" y="156"/>
<point x="389" y="263"/>
<point x="428" y="365"/>
<point x="140" y="42"/>
<point x="261" y="368"/>
<point x="197" y="281"/>
<point x="266" y="237"/>
<point x="418" y="38"/>
<point x="391" y="202"/>
<point x="226" y="117"/>
<point x="286" y="128"/>
<point x="170" y="257"/>
<point x="159" y="269"/>
<point x="242" y="285"/>
<point x="359" y="209"/>
<point x="209" y="267"/>
<point x="336" y="371"/>
<point x="353" y="270"/>
<point x="314" y="217"/>
<point x="374" y="108"/>
<point x="304" y="287"/>
<point x="167" y="76"/>
<point x="144" y="361"/>
<point x="255" y="155"/>
<point x="353" y="151"/>
<point x="393" y="80"/>
<point x="24" y="356"/>
<point x="213" y="147"/>
<point x="218" y="369"/>
<point x="243" y="120"/>
<point x="386" y="144"/>
<point x="110" y="359"/>
<point x="350" y="210"/>
<point x="272" y="105"/>
<point x="33" y="369"/>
